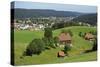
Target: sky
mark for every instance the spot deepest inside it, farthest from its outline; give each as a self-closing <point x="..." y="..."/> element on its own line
<point x="58" y="7"/>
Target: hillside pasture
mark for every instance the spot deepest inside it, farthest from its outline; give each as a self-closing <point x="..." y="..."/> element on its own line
<point x="23" y="38"/>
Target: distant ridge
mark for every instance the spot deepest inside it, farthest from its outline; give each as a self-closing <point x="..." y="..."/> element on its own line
<point x="30" y="13"/>
<point x="87" y="18"/>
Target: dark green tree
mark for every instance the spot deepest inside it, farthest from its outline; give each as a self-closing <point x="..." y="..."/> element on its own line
<point x="46" y="41"/>
<point x="35" y="47"/>
<point x="48" y="38"/>
<point x="66" y="49"/>
<point x="80" y="34"/>
<point x="94" y="48"/>
<point x="56" y="40"/>
<point x="48" y="33"/>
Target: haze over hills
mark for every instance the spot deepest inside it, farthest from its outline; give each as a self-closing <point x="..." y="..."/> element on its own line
<point x="87" y="18"/>
<point x="19" y="13"/>
<point x="30" y="13"/>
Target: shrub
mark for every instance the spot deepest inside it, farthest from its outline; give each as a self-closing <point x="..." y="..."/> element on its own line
<point x="35" y="47"/>
<point x="45" y="40"/>
<point x="94" y="48"/>
<point x="56" y="40"/>
<point x="80" y="34"/>
<point x="49" y="42"/>
<point x="67" y="48"/>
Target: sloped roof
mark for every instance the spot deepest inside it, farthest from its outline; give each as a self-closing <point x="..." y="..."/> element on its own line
<point x="61" y="53"/>
<point x="64" y="37"/>
<point x="89" y="35"/>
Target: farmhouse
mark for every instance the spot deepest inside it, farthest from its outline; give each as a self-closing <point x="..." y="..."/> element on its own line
<point x="89" y="36"/>
<point x="65" y="38"/>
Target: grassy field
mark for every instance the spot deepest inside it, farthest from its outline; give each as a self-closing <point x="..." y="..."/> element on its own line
<point x="23" y="38"/>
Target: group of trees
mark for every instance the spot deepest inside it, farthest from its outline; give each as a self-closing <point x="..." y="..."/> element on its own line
<point x="47" y="42"/>
<point x="65" y="24"/>
<point x="49" y="39"/>
<point x="87" y="18"/>
<point x="94" y="48"/>
<point x="39" y="45"/>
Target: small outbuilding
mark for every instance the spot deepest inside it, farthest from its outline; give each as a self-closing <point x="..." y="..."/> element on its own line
<point x="61" y="54"/>
<point x="89" y="36"/>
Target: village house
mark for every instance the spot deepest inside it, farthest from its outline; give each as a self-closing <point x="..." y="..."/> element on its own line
<point x="65" y="39"/>
<point x="89" y="36"/>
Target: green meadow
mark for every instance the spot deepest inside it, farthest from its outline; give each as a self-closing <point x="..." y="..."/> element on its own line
<point x="23" y="38"/>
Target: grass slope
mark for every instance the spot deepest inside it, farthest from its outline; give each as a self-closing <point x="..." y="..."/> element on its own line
<point x="23" y="38"/>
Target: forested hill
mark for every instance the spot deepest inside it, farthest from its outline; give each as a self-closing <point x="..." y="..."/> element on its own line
<point x="29" y="13"/>
<point x="87" y="18"/>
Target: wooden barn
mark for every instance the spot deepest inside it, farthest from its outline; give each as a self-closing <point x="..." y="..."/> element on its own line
<point x="65" y="38"/>
<point x="89" y="36"/>
<point x="61" y="54"/>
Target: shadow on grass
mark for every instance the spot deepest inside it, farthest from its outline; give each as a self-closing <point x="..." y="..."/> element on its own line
<point x="88" y="51"/>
